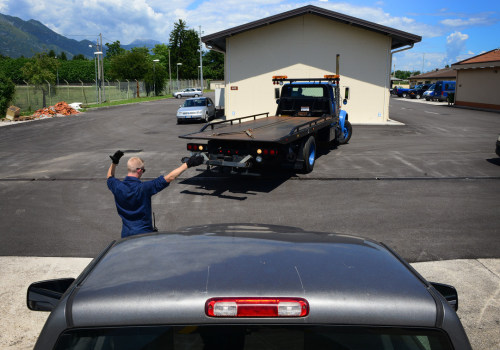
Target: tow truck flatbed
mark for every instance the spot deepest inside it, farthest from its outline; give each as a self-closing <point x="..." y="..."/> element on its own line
<point x="278" y="129"/>
<point x="308" y="115"/>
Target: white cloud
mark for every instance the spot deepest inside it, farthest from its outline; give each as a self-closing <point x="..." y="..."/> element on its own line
<point x="459" y="22"/>
<point x="418" y="61"/>
<point x="455" y="45"/>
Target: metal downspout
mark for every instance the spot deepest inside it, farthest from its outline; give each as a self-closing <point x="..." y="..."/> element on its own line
<point x="390" y="65"/>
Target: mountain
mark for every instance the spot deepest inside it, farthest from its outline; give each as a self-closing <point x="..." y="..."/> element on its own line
<point x="141" y="43"/>
<point x="25" y="38"/>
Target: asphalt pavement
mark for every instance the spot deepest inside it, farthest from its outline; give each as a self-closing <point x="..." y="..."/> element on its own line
<point x="427" y="184"/>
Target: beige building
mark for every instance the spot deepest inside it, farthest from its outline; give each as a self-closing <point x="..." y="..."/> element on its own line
<point x="303" y="43"/>
<point x="478" y="81"/>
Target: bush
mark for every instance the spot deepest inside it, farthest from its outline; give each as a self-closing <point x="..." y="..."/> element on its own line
<point x="7" y="90"/>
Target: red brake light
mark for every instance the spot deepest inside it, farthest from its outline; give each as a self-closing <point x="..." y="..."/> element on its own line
<point x="257" y="307"/>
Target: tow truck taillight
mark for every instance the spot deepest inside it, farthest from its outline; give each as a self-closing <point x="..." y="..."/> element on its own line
<point x="195" y="147"/>
<point x="257" y="307"/>
<point x="267" y="151"/>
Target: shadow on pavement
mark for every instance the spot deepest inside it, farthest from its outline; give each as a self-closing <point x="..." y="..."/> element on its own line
<point x="234" y="186"/>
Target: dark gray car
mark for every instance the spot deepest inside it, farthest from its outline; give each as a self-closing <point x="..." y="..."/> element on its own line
<point x="247" y="287"/>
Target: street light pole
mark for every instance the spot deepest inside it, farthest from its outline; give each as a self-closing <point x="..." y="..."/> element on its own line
<point x="201" y="61"/>
<point x="154" y="75"/>
<point x="169" y="72"/>
<point x="178" y="64"/>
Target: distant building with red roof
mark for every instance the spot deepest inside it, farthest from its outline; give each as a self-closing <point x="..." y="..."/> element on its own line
<point x="433" y="76"/>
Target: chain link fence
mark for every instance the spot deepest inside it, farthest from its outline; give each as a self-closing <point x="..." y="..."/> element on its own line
<point x="30" y="98"/>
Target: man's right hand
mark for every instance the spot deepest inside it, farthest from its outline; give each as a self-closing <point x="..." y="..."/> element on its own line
<point x="115" y="158"/>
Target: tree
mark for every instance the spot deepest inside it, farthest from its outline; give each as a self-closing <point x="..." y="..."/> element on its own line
<point x="7" y="90"/>
<point x="184" y="46"/>
<point x="114" y="49"/>
<point x="40" y="70"/>
<point x="155" y="78"/>
<point x="132" y="65"/>
<point x="63" y="56"/>
<point x="213" y="65"/>
<point x="160" y="52"/>
<point x="80" y="57"/>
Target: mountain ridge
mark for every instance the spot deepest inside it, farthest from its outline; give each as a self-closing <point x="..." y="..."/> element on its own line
<point x="25" y="38"/>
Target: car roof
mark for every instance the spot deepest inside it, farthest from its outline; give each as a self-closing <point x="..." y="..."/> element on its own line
<point x="167" y="278"/>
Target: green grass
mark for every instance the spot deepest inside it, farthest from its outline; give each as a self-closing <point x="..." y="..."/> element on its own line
<point x="128" y="101"/>
<point x="30" y="99"/>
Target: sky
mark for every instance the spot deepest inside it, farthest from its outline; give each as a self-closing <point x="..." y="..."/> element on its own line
<point x="451" y="31"/>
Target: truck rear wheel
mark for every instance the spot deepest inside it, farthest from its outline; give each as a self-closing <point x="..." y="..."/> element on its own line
<point x="347" y="133"/>
<point x="309" y="154"/>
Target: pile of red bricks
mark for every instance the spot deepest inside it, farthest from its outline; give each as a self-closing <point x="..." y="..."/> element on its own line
<point x="58" y="110"/>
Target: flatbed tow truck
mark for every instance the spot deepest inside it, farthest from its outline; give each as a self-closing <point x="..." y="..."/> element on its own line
<point x="308" y="116"/>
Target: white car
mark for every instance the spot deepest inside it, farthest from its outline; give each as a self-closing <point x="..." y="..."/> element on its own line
<point x="198" y="108"/>
<point x="189" y="92"/>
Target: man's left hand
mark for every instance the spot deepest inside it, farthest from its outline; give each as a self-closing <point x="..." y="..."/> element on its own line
<point x="194" y="161"/>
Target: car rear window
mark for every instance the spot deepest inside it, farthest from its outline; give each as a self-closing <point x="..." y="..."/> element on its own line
<point x="260" y="337"/>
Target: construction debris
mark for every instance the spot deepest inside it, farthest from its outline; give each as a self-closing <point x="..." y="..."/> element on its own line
<point x="60" y="109"/>
<point x="12" y="112"/>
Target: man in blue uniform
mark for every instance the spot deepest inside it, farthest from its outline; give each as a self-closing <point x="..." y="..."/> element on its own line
<point x="133" y="196"/>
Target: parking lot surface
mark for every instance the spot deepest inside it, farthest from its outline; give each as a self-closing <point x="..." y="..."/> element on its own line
<point x="428" y="187"/>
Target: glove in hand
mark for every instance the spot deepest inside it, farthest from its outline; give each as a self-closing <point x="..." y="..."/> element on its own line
<point x="194" y="161"/>
<point x="116" y="157"/>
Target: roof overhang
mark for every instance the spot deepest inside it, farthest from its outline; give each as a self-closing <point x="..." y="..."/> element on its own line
<point x="217" y="41"/>
<point x="476" y="65"/>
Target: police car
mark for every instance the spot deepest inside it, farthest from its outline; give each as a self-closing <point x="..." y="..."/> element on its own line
<point x="247" y="287"/>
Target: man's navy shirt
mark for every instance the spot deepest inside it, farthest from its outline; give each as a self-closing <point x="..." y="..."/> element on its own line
<point x="133" y="202"/>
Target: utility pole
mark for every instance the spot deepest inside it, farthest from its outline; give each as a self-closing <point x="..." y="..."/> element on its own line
<point x="201" y="61"/>
<point x="99" y="56"/>
<point x="102" y="69"/>
<point x="169" y="71"/>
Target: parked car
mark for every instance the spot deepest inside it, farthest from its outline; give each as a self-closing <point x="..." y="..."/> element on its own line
<point x="247" y="286"/>
<point x="429" y="94"/>
<point x="442" y="89"/>
<point x="401" y="91"/>
<point x="418" y="91"/>
<point x="189" y="92"/>
<point x="199" y="108"/>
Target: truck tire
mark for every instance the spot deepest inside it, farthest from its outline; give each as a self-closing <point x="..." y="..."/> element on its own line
<point x="178" y="96"/>
<point x="347" y="133"/>
<point x="309" y="154"/>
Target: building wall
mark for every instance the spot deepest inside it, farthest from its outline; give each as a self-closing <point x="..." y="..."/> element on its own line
<point x="306" y="47"/>
<point x="478" y="88"/>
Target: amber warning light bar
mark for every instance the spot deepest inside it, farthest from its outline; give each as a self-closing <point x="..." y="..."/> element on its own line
<point x="257" y="307"/>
